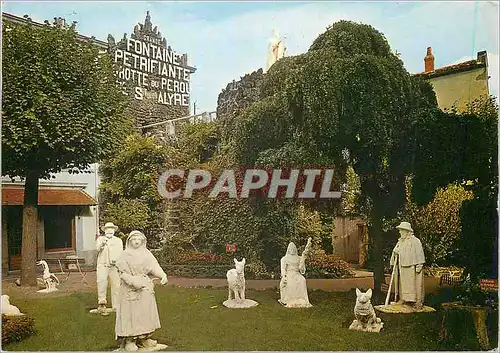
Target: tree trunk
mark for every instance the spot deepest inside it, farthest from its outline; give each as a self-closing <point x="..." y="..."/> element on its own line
<point x="378" y="263"/>
<point x="29" y="239"/>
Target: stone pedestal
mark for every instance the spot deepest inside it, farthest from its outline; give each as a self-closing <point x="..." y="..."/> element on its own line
<point x="242" y="304"/>
<point x="375" y="327"/>
<point x="296" y="304"/>
<point x="103" y="312"/>
<point x="398" y="308"/>
<point x="158" y="347"/>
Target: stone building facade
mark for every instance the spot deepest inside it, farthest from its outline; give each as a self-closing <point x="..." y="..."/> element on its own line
<point x="148" y="111"/>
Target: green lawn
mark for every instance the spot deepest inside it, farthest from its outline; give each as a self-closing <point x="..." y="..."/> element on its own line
<point x="188" y="323"/>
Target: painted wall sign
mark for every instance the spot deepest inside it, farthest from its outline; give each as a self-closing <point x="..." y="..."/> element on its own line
<point x="149" y="68"/>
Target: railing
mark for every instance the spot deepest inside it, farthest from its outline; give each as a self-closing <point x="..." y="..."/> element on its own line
<point x="192" y="119"/>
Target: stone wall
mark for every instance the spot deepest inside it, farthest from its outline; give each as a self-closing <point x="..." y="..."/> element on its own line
<point x="148" y="112"/>
<point x="238" y="95"/>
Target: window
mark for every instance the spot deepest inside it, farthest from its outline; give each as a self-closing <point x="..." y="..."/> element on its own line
<point x="59" y="227"/>
<point x="14" y="217"/>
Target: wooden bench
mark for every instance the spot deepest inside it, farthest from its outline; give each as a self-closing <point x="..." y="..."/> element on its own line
<point x="452" y="278"/>
<point x="69" y="260"/>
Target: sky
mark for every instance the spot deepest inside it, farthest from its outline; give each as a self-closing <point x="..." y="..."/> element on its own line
<point x="225" y="40"/>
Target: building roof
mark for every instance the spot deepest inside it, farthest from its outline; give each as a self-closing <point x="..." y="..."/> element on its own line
<point x="14" y="196"/>
<point x="17" y="19"/>
<point x="101" y="44"/>
<point x="480" y="62"/>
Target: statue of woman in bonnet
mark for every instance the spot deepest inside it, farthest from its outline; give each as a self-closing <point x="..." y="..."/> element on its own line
<point x="293" y="286"/>
<point x="136" y="313"/>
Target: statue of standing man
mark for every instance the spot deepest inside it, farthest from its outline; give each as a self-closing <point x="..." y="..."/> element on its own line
<point x="109" y="248"/>
<point x="408" y="260"/>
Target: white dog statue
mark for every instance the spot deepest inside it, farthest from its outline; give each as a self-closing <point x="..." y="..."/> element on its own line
<point x="365" y="318"/>
<point x="236" y="280"/>
<point x="49" y="279"/>
<point x="8" y="308"/>
<point x="236" y="287"/>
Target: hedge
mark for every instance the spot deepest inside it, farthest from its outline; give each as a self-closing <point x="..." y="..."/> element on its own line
<point x="16" y="328"/>
<point x="208" y="265"/>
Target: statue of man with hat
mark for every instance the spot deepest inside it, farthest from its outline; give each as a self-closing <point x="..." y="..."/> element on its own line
<point x="109" y="248"/>
<point x="408" y="260"/>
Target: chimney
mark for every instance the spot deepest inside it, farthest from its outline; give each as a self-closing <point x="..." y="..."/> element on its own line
<point x="60" y="21"/>
<point x="482" y="57"/>
<point x="429" y="60"/>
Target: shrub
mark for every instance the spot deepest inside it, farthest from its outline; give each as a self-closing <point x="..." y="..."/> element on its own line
<point x="322" y="265"/>
<point x="213" y="267"/>
<point x="16" y="328"/>
<point x="257" y="270"/>
<point x="438" y="224"/>
<point x="470" y="293"/>
<point x="200" y="258"/>
<point x="203" y="271"/>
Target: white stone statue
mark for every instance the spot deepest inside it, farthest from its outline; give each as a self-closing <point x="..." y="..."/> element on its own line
<point x="136" y="311"/>
<point x="49" y="279"/>
<point x="365" y="318"/>
<point x="236" y="286"/>
<point x="293" y="286"/>
<point x="276" y="49"/>
<point x="8" y="308"/>
<point x="109" y="248"/>
<point x="407" y="276"/>
<point x="408" y="260"/>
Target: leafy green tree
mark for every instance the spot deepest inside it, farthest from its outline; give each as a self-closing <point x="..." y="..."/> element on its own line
<point x="61" y="109"/>
<point x="438" y="225"/>
<point x="129" y="214"/>
<point x="463" y="147"/>
<point x="198" y="142"/>
<point x="129" y="179"/>
<point x="352" y="191"/>
<point x="348" y="101"/>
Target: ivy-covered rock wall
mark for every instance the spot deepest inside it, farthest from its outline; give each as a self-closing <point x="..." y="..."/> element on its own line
<point x="237" y="96"/>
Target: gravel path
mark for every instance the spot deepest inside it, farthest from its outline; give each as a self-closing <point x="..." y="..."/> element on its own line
<point x="74" y="284"/>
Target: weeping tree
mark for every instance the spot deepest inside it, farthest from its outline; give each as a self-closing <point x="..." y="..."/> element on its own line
<point x="348" y="101"/>
<point x="61" y="109"/>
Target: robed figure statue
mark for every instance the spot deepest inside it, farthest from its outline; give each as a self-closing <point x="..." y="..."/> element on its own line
<point x="293" y="286"/>
<point x="408" y="260"/>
